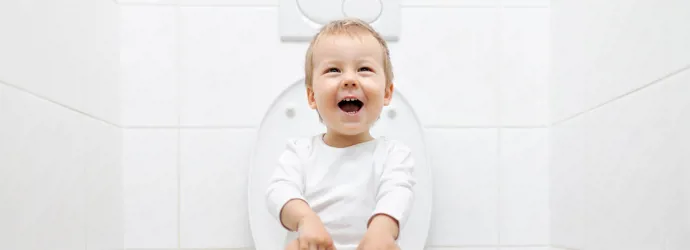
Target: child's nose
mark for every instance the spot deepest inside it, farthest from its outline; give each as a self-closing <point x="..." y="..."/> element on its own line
<point x="349" y="83"/>
<point x="349" y="80"/>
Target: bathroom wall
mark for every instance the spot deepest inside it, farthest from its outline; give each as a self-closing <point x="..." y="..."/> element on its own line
<point x="620" y="88"/>
<point x="198" y="76"/>
<point x="60" y="146"/>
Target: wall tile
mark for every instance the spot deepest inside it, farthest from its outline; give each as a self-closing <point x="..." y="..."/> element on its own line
<point x="104" y="196"/>
<point x="677" y="204"/>
<point x="567" y="160"/>
<point x="612" y="47"/>
<point x="148" y="61"/>
<point x="523" y="66"/>
<point x="458" y="82"/>
<point x="150" y="188"/>
<point x="227" y="67"/>
<point x="633" y="153"/>
<point x="213" y="182"/>
<point x="44" y="151"/>
<point x="466" y="160"/>
<point x="56" y="54"/>
<point x="524" y="192"/>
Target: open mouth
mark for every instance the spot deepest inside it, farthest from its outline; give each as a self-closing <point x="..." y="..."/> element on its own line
<point x="350" y="105"/>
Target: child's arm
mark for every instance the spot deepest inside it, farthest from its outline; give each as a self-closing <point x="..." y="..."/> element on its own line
<point x="286" y="187"/>
<point x="294" y="212"/>
<point x="285" y="201"/>
<point x="395" y="194"/>
<point x="385" y="225"/>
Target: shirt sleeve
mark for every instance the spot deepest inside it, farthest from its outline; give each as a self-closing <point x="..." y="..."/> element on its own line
<point x="287" y="181"/>
<point x="395" y="194"/>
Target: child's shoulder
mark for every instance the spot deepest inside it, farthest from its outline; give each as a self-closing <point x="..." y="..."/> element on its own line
<point x="300" y="145"/>
<point x="393" y="146"/>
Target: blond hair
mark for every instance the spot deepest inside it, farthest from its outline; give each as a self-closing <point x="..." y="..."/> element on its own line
<point x="349" y="26"/>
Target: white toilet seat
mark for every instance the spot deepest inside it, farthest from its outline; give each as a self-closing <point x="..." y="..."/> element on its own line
<point x="290" y="117"/>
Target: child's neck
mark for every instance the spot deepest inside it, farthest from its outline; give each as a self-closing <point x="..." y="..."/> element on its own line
<point x="337" y="140"/>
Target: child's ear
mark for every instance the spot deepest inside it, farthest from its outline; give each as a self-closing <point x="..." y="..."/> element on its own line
<point x="310" y="98"/>
<point x="388" y="95"/>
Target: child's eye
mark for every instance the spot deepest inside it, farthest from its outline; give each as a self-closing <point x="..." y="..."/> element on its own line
<point x="332" y="70"/>
<point x="365" y="69"/>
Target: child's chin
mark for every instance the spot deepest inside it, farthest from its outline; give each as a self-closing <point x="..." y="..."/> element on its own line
<point x="353" y="128"/>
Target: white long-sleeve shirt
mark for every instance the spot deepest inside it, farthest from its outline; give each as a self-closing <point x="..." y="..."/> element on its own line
<point x="344" y="186"/>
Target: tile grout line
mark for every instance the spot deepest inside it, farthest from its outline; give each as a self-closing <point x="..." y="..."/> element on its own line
<point x="178" y="107"/>
<point x="624" y="95"/>
<point x="26" y="91"/>
<point x="499" y="115"/>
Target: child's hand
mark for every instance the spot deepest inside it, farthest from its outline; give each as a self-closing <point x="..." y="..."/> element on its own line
<point x="312" y="235"/>
<point x="381" y="234"/>
<point x="378" y="240"/>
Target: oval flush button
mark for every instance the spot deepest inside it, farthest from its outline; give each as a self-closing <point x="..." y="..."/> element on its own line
<point x="367" y="10"/>
<point x="321" y="11"/>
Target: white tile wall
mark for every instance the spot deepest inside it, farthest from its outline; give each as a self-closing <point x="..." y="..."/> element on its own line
<point x="228" y="66"/>
<point x="617" y="48"/>
<point x="459" y="79"/>
<point x="636" y="140"/>
<point x="49" y="49"/>
<point x="465" y="187"/>
<point x="566" y="175"/>
<point x="40" y="202"/>
<point x="619" y="171"/>
<point x="523" y="66"/>
<point x="524" y="187"/>
<point x="148" y="65"/>
<point x="60" y="153"/>
<point x="213" y="187"/>
<point x="150" y="163"/>
<point x="104" y="186"/>
<point x="59" y="177"/>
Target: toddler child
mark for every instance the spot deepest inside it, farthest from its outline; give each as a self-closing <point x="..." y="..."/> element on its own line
<point x="344" y="189"/>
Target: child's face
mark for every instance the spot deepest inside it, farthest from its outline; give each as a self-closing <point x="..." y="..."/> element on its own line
<point x="348" y="68"/>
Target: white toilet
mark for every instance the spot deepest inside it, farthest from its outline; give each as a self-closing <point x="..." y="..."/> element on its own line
<point x="290" y="117"/>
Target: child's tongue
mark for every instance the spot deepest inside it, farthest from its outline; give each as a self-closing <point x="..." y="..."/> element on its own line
<point x="349" y="107"/>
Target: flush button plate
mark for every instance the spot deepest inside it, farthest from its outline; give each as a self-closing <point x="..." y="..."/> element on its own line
<point x="301" y="19"/>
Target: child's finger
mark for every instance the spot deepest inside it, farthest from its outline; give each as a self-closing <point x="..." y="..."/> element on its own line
<point x="303" y="244"/>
